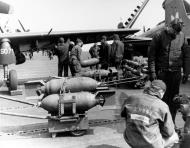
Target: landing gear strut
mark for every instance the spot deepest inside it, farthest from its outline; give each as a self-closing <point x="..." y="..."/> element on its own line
<point x="7" y="57"/>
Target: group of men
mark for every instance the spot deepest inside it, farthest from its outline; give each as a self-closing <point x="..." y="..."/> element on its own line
<point x="69" y="55"/>
<point x="150" y="121"/>
<point x="109" y="55"/>
<point x="150" y="117"/>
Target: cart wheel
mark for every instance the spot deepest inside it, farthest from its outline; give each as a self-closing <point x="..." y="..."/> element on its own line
<point x="13" y="82"/>
<point x="53" y="135"/>
<point x="77" y="133"/>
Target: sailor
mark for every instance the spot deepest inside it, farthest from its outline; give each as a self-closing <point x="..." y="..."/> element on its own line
<point x="104" y="53"/>
<point x="75" y="58"/>
<point x="117" y="51"/>
<point x="129" y="52"/>
<point x="166" y="59"/>
<point x="186" y="70"/>
<point x="148" y="120"/>
<point x="94" y="53"/>
<point x="62" y="52"/>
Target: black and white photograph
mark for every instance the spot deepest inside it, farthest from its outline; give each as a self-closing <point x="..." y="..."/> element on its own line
<point x="95" y="73"/>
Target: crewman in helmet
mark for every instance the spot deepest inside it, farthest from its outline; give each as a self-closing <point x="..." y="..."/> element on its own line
<point x="148" y="119"/>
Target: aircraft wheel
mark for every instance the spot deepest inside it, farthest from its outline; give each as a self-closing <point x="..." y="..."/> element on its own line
<point x="13" y="82"/>
<point x="77" y="133"/>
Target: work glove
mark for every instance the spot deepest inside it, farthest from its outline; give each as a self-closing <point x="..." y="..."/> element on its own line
<point x="152" y="76"/>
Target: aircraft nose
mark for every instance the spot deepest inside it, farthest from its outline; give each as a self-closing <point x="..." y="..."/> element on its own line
<point x="5" y="8"/>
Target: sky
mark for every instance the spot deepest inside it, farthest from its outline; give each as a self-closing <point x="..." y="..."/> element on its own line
<point x="42" y="15"/>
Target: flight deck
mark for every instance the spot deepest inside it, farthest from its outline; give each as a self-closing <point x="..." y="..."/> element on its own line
<point x="105" y="124"/>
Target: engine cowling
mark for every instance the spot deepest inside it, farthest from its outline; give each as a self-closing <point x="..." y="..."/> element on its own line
<point x="94" y="73"/>
<point x="90" y="62"/>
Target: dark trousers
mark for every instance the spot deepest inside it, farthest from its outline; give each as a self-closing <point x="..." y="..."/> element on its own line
<point x="75" y="66"/>
<point x="115" y="63"/>
<point x="172" y="81"/>
<point x="63" y="66"/>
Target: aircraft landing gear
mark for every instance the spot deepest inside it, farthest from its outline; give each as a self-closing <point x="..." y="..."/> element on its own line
<point x="7" y="57"/>
<point x="10" y="78"/>
<point x="13" y="82"/>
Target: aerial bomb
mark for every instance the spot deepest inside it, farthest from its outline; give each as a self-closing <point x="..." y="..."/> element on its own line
<point x="90" y="62"/>
<point x="75" y="84"/>
<point x="95" y="73"/>
<point x="133" y="63"/>
<point x="134" y="71"/>
<point x="84" y="101"/>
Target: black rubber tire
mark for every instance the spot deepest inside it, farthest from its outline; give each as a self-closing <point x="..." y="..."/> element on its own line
<point x="13" y="81"/>
<point x="77" y="133"/>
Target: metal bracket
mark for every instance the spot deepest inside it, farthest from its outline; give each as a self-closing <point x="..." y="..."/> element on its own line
<point x="62" y="102"/>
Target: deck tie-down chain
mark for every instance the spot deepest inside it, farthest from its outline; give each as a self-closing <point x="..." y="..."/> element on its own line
<point x="15" y="108"/>
<point x="92" y="123"/>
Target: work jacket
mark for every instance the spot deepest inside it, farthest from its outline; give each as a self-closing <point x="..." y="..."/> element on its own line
<point x="104" y="52"/>
<point x="148" y="121"/>
<point x="94" y="51"/>
<point x="165" y="53"/>
<point x="76" y="53"/>
<point x="117" y="51"/>
<point x="63" y="52"/>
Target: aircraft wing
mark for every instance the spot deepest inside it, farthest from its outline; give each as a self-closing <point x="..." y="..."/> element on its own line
<point x="138" y="40"/>
<point x="139" y="44"/>
<point x="26" y="40"/>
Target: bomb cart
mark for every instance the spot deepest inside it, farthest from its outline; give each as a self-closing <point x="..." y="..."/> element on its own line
<point x="68" y="100"/>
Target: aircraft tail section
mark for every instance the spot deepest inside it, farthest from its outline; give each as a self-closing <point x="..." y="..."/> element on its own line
<point x="177" y="9"/>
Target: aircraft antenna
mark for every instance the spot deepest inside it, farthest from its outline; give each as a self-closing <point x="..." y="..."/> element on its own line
<point x="1" y="30"/>
<point x="22" y="25"/>
<point x="50" y="31"/>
